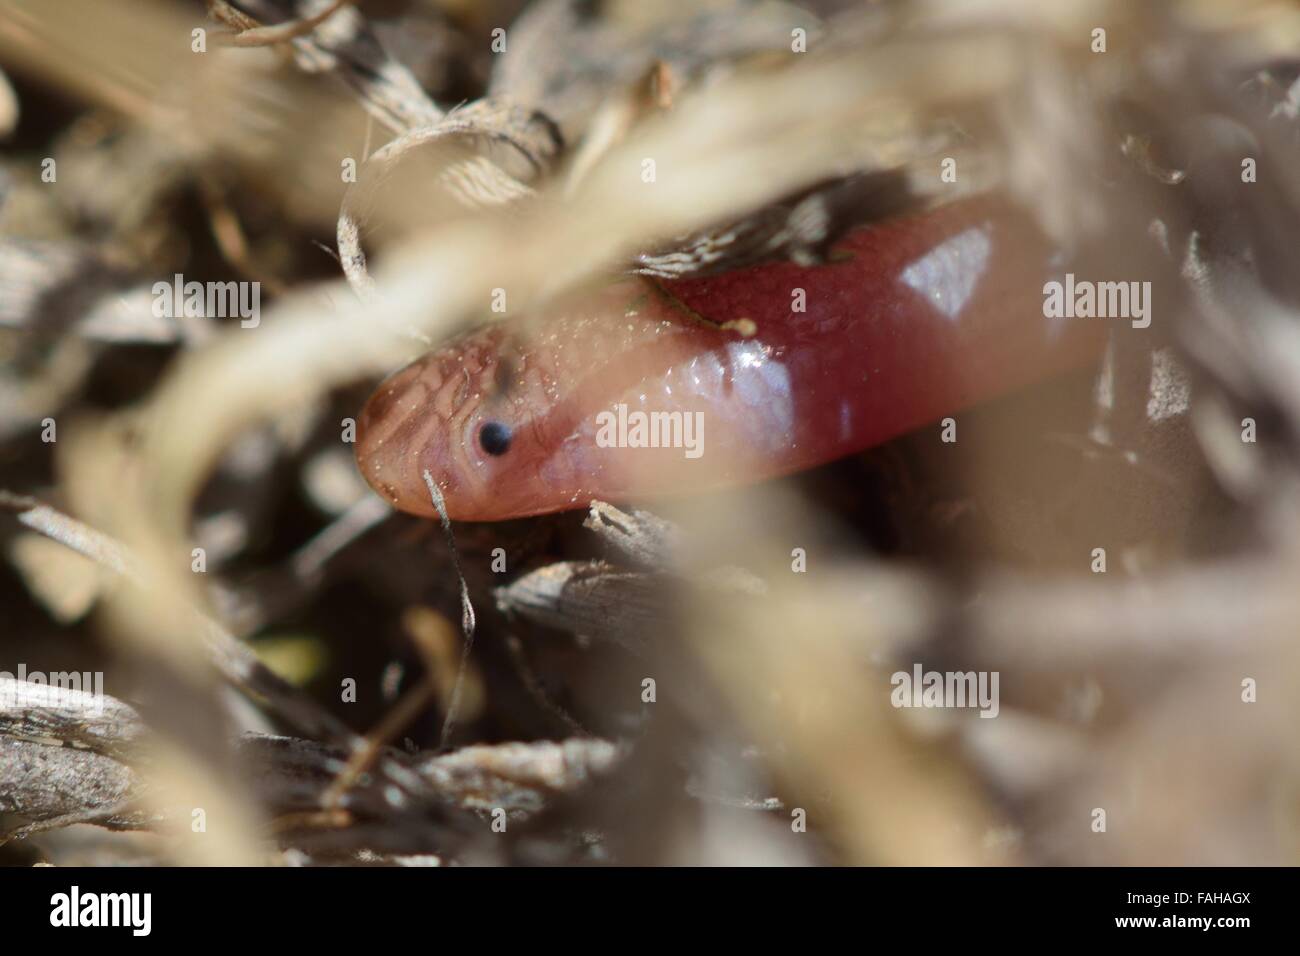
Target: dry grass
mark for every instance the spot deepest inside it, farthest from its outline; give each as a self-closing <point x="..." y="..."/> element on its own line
<point x="1120" y="691"/>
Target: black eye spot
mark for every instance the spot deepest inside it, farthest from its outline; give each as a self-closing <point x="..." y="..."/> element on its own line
<point x="495" y="438"/>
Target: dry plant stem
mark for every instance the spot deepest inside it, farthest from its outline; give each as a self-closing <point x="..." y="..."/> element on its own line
<point x="219" y="111"/>
<point x="116" y="817"/>
<point x="467" y="777"/>
<point x="285" y="591"/>
<point x="62" y="286"/>
<point x="639" y="538"/>
<point x="891" y="801"/>
<point x="1172" y="617"/>
<point x="231" y="657"/>
<point x="58" y="785"/>
<point x="70" y="716"/>
<point x="346" y="46"/>
<point x="69" y="532"/>
<point x="466" y="610"/>
<point x="592" y="598"/>
<point x="223" y="12"/>
<point x="269" y="35"/>
<point x="54" y="786"/>
<point x="1095" y="624"/>
<point x="309" y="561"/>
<point x="474" y="183"/>
<point x="528" y="676"/>
<point x="615" y="119"/>
<point x="8" y="109"/>
<point x="518" y="776"/>
<point x="230" y="238"/>
<point x="397" y="718"/>
<point x="623" y="602"/>
<point x="22" y="30"/>
<point x="313" y="819"/>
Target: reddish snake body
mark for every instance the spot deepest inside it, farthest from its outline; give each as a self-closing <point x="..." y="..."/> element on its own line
<point x="749" y="375"/>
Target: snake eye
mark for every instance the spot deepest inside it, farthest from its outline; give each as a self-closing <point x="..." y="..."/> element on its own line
<point x="495" y="438"/>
